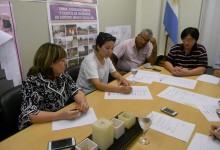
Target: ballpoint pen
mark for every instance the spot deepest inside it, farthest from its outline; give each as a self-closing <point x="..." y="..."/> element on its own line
<point x="217" y="130"/>
<point x="75" y="109"/>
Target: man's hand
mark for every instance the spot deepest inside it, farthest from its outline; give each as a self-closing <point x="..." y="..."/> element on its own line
<point x="153" y="41"/>
<point x="179" y="71"/>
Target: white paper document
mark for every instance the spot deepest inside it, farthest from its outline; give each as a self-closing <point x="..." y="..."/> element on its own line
<point x="177" y="81"/>
<point x="88" y="118"/>
<point x="171" y="126"/>
<point x="138" y="92"/>
<point x="203" y="142"/>
<point x="209" y="111"/>
<point x="186" y="97"/>
<point x="144" y="76"/>
<point x="208" y="78"/>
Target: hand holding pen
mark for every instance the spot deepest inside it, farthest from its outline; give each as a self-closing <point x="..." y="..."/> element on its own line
<point x="215" y="132"/>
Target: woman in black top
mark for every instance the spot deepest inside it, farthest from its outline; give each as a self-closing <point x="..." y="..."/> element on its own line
<point x="48" y="89"/>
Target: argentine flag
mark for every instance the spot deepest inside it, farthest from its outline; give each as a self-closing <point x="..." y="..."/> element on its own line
<point x="171" y="19"/>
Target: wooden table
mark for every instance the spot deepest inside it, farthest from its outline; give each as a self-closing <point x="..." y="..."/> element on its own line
<point x="38" y="135"/>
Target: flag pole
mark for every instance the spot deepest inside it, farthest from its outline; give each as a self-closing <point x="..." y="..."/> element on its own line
<point x="161" y="59"/>
<point x="165" y="49"/>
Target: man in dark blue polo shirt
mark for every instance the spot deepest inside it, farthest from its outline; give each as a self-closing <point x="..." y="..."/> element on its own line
<point x="188" y="58"/>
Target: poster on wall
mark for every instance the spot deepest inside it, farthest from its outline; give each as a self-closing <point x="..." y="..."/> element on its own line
<point x="75" y="28"/>
<point x="9" y="58"/>
<point x="64" y="1"/>
<point x="120" y="32"/>
<point x="80" y="1"/>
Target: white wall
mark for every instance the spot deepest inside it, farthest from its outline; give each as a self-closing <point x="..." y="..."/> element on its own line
<point x="31" y="28"/>
<point x="117" y="13"/>
<point x="148" y="16"/>
<point x="210" y="33"/>
<point x="189" y="14"/>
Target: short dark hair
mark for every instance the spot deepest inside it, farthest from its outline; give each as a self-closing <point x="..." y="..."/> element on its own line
<point x="104" y="37"/>
<point x="190" y="31"/>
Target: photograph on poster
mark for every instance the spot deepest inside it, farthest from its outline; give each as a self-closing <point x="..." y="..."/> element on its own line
<point x="71" y="30"/>
<point x="58" y="31"/>
<point x="93" y="29"/>
<point x="92" y="39"/>
<point x="82" y="29"/>
<point x="5" y="23"/>
<point x="82" y="40"/>
<point x="61" y="41"/>
<point x="72" y="53"/>
<point x="83" y="51"/>
<point x="71" y="41"/>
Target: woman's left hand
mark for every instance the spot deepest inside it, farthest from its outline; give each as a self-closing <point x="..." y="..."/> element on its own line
<point x="124" y="82"/>
<point x="83" y="106"/>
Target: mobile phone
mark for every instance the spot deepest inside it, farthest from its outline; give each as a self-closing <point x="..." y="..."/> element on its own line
<point x="155" y="69"/>
<point x="61" y="144"/>
<point x="169" y="111"/>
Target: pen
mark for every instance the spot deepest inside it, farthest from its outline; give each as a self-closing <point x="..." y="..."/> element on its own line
<point x="75" y="109"/>
<point x="217" y="130"/>
<point x="126" y="84"/>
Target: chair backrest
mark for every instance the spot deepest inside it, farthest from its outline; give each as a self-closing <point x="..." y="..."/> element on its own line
<point x="10" y="105"/>
<point x="110" y="78"/>
<point x="209" y="70"/>
<point x="160" y="60"/>
<point x="2" y="74"/>
<point x="5" y="85"/>
<point x="73" y="71"/>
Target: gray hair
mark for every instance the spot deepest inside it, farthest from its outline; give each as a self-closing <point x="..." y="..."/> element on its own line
<point x="149" y="31"/>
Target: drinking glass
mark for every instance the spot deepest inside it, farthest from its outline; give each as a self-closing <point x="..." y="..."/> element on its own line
<point x="145" y="122"/>
<point x="134" y="70"/>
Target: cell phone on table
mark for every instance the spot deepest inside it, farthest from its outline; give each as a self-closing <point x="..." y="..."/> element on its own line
<point x="168" y="111"/>
<point x="61" y="144"/>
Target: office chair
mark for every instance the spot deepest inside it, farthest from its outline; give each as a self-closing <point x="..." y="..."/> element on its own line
<point x="2" y="74"/>
<point x="209" y="70"/>
<point x="5" y="85"/>
<point x="160" y="60"/>
<point x="73" y="71"/>
<point x="10" y="104"/>
<point x="110" y="78"/>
